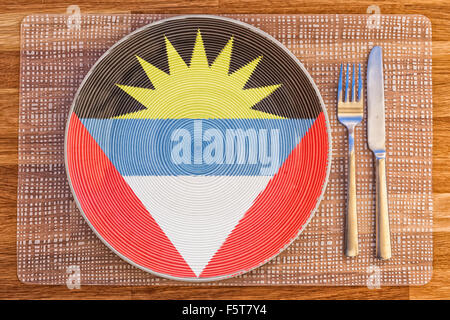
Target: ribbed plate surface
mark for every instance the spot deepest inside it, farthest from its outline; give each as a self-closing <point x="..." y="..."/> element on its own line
<point x="197" y="148"/>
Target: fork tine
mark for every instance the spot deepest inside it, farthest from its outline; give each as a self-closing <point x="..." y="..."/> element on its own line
<point x="359" y="83"/>
<point x="346" y="95"/>
<point x="340" y="86"/>
<point x="353" y="83"/>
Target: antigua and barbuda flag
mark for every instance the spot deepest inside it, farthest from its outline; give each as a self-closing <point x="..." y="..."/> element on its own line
<point x="197" y="148"/>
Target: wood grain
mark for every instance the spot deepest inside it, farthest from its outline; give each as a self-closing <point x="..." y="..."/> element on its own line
<point x="11" y="14"/>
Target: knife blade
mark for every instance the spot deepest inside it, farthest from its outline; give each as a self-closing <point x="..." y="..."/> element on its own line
<point x="377" y="143"/>
<point x="375" y="102"/>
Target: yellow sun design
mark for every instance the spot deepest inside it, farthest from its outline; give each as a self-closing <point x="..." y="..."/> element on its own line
<point x="199" y="91"/>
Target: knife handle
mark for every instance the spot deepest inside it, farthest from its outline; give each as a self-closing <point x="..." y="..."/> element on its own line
<point x="382" y="212"/>
<point x="351" y="224"/>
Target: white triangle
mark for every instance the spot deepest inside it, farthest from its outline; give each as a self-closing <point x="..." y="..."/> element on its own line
<point x="197" y="213"/>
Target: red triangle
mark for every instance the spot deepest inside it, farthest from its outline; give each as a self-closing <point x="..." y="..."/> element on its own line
<point x="280" y="211"/>
<point x="115" y="212"/>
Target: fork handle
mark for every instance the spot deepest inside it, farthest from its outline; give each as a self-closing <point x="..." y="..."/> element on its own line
<point x="351" y="242"/>
<point x="382" y="212"/>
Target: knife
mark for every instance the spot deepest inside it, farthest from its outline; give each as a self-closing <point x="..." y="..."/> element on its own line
<point x="376" y="141"/>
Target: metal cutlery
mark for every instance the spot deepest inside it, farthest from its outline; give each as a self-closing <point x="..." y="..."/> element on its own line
<point x="376" y="141"/>
<point x="350" y="113"/>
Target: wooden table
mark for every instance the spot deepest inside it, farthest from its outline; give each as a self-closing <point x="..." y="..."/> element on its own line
<point x="13" y="11"/>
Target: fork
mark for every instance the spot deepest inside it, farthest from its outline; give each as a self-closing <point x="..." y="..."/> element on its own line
<point x="350" y="113"/>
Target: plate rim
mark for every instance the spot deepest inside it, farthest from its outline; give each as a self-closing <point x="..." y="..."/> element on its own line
<point x="267" y="36"/>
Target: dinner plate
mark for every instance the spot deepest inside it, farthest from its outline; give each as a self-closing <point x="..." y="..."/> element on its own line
<point x="198" y="148"/>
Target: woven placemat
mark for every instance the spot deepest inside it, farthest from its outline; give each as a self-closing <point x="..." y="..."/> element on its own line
<point x="53" y="240"/>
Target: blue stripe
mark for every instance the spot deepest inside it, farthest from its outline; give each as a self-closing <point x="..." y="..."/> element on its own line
<point x="214" y="147"/>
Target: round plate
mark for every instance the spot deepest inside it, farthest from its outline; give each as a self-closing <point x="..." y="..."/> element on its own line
<point x="198" y="148"/>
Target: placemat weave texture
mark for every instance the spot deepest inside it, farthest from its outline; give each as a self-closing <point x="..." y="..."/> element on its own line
<point x="53" y="239"/>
